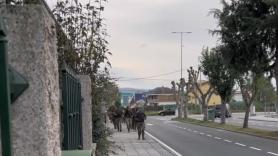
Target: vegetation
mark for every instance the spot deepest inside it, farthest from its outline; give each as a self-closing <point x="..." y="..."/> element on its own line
<point x="195" y="88"/>
<point x="248" y="30"/>
<point x="176" y="93"/>
<point x="152" y="113"/>
<point x="160" y="90"/>
<point x="82" y="45"/>
<point x="221" y="77"/>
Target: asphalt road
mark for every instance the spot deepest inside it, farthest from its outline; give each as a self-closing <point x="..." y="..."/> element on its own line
<point x="193" y="140"/>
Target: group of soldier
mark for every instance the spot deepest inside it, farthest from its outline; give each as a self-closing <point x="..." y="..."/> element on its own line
<point x="133" y="118"/>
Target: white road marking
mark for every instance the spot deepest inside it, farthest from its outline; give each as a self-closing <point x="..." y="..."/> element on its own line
<point x="219" y="130"/>
<point x="228" y="141"/>
<point x="195" y="131"/>
<point x="202" y="133"/>
<point x="163" y="144"/>
<point x="149" y="124"/>
<point x="217" y="138"/>
<point x="255" y="148"/>
<point x="209" y="135"/>
<point x="240" y="144"/>
<point x="272" y="153"/>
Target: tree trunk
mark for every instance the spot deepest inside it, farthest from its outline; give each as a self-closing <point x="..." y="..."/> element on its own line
<point x="179" y="111"/>
<point x="223" y="112"/>
<point x="246" y="118"/>
<point x="205" y="112"/>
<point x="185" y="109"/>
<point x="183" y="104"/>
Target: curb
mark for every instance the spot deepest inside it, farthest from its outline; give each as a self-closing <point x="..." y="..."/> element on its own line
<point x="258" y="120"/>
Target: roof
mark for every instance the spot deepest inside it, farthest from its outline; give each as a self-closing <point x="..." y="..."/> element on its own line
<point x="167" y="103"/>
<point x="159" y="94"/>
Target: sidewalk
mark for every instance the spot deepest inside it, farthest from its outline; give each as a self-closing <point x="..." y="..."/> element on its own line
<point x="258" y="117"/>
<point x="133" y="147"/>
<point x="262" y="117"/>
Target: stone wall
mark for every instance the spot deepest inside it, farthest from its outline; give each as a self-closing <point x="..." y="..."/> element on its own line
<point x="86" y="93"/>
<point x="32" y="52"/>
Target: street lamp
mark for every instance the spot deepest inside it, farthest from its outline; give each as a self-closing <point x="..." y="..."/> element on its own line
<point x="181" y="33"/>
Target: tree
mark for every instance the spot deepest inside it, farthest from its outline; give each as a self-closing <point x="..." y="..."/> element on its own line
<point x="160" y="90"/>
<point x="269" y="27"/>
<point x="220" y="76"/>
<point x="245" y="52"/>
<point x="266" y="92"/>
<point x="184" y="96"/>
<point x="82" y="45"/>
<point x="195" y="88"/>
<point x="176" y="96"/>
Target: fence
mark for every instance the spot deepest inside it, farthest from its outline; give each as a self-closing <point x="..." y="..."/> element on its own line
<point x="71" y="110"/>
<point x="5" y="97"/>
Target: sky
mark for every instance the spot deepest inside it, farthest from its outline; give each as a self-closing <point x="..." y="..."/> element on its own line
<point x="142" y="42"/>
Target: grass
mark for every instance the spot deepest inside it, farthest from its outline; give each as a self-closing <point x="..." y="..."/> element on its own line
<point x="151" y="113"/>
<point x="233" y="128"/>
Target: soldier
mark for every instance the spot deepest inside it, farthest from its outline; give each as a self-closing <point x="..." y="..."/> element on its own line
<point x="140" y="117"/>
<point x="111" y="117"/>
<point x="117" y="115"/>
<point x="133" y="122"/>
<point x="127" y="117"/>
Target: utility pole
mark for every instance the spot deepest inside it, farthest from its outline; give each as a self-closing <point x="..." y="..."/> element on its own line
<point x="183" y="104"/>
<point x="181" y="33"/>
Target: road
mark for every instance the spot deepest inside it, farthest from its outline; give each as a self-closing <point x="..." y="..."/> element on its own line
<point x="237" y="119"/>
<point x="193" y="140"/>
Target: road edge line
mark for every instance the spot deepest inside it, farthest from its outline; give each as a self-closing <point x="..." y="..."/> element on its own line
<point x="163" y="144"/>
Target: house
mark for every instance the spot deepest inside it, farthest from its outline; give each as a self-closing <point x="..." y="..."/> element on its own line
<point x="164" y="100"/>
<point x="139" y="100"/>
<point x="204" y="86"/>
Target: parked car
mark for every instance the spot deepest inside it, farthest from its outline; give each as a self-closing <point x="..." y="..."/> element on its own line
<point x="217" y="111"/>
<point x="167" y="112"/>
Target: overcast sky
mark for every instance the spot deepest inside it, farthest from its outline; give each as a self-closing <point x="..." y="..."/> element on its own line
<point x="142" y="41"/>
<point x="143" y="45"/>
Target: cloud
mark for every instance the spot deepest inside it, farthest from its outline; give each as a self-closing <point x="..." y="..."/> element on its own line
<point x="141" y="40"/>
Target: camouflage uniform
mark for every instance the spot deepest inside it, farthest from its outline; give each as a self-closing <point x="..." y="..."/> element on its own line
<point x="140" y="117"/>
<point x="128" y="120"/>
<point x="117" y="115"/>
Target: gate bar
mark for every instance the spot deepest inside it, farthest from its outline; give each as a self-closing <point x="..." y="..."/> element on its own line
<point x="4" y="96"/>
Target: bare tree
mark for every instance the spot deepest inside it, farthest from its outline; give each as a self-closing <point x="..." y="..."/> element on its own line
<point x="176" y="96"/>
<point x="195" y="88"/>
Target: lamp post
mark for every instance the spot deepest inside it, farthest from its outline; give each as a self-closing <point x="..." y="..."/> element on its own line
<point x="181" y="33"/>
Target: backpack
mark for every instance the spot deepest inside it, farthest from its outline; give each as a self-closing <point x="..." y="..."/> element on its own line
<point x="139" y="117"/>
<point x="117" y="113"/>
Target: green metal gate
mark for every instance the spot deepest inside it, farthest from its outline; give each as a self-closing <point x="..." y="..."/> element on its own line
<point x="71" y="109"/>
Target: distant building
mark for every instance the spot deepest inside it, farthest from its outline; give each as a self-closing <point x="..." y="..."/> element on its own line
<point x="165" y="100"/>
<point x="140" y="96"/>
<point x="204" y="86"/>
<point x="126" y="98"/>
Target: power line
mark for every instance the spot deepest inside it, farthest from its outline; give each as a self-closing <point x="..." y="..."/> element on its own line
<point x="149" y="77"/>
<point x="147" y="80"/>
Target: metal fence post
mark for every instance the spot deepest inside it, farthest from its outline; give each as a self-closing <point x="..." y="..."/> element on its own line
<point x="4" y="95"/>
